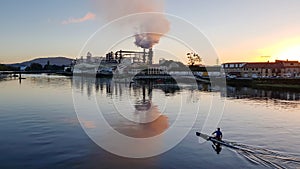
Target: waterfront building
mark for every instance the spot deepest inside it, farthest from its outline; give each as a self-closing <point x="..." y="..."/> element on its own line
<point x="262" y="69"/>
<point x="279" y="68"/>
<point x="290" y="68"/>
<point x="233" y="68"/>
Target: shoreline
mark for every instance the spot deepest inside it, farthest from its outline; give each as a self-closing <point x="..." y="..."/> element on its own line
<point x="273" y="84"/>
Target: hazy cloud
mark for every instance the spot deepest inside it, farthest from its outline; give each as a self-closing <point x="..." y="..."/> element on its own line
<point x="150" y="27"/>
<point x="88" y="16"/>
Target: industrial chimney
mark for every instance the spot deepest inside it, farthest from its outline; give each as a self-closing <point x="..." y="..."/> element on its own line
<point x="144" y="55"/>
<point x="150" y="56"/>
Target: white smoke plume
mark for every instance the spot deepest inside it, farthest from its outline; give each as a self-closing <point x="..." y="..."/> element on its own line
<point x="150" y="28"/>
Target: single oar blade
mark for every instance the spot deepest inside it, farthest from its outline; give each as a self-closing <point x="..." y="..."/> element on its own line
<point x="204" y="136"/>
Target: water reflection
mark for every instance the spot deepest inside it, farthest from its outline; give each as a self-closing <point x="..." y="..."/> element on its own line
<point x="37" y="118"/>
<point x="144" y="119"/>
<point x="270" y="98"/>
<point x="258" y="94"/>
<point x="108" y="87"/>
<point x="217" y="147"/>
<point x="130" y="112"/>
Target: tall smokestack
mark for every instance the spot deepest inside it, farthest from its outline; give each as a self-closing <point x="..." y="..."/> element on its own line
<point x="150" y="56"/>
<point x="144" y="56"/>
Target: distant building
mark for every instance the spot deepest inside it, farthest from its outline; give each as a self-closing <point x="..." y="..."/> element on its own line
<point x="262" y="69"/>
<point x="90" y="59"/>
<point x="233" y="68"/>
<point x="279" y="68"/>
<point x="290" y="68"/>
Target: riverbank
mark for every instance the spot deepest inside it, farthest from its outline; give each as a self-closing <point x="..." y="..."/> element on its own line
<point x="273" y="84"/>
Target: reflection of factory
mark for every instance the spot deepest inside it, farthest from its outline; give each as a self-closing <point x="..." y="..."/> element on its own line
<point x="144" y="104"/>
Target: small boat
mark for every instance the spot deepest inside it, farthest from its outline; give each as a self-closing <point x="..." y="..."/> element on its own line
<point x="104" y="72"/>
<point x="214" y="140"/>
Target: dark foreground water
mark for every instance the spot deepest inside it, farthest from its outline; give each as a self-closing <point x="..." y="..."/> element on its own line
<point x="39" y="126"/>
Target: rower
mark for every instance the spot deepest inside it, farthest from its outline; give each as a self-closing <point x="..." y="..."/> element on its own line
<point x="218" y="134"/>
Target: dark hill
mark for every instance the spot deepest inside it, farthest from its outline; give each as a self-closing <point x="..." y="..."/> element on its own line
<point x="59" y="61"/>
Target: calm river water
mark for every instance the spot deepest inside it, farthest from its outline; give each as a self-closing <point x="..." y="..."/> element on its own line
<point x="39" y="126"/>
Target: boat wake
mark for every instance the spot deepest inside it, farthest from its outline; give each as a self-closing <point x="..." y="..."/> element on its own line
<point x="257" y="155"/>
<point x="265" y="157"/>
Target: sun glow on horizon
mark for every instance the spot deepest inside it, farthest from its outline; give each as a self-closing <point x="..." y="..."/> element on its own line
<point x="290" y="53"/>
<point x="286" y="49"/>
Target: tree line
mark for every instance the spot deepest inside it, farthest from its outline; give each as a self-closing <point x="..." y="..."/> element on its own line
<point x="4" y="67"/>
<point x="48" y="66"/>
<point x="33" y="67"/>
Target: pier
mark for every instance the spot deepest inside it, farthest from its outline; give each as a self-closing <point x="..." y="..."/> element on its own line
<point x="19" y="73"/>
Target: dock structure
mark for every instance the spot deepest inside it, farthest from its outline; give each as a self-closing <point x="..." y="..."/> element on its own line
<point x="19" y="73"/>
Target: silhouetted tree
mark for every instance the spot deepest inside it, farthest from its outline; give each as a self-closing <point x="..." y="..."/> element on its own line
<point x="193" y="58"/>
<point x="34" y="67"/>
<point x="47" y="66"/>
<point x="4" y="67"/>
